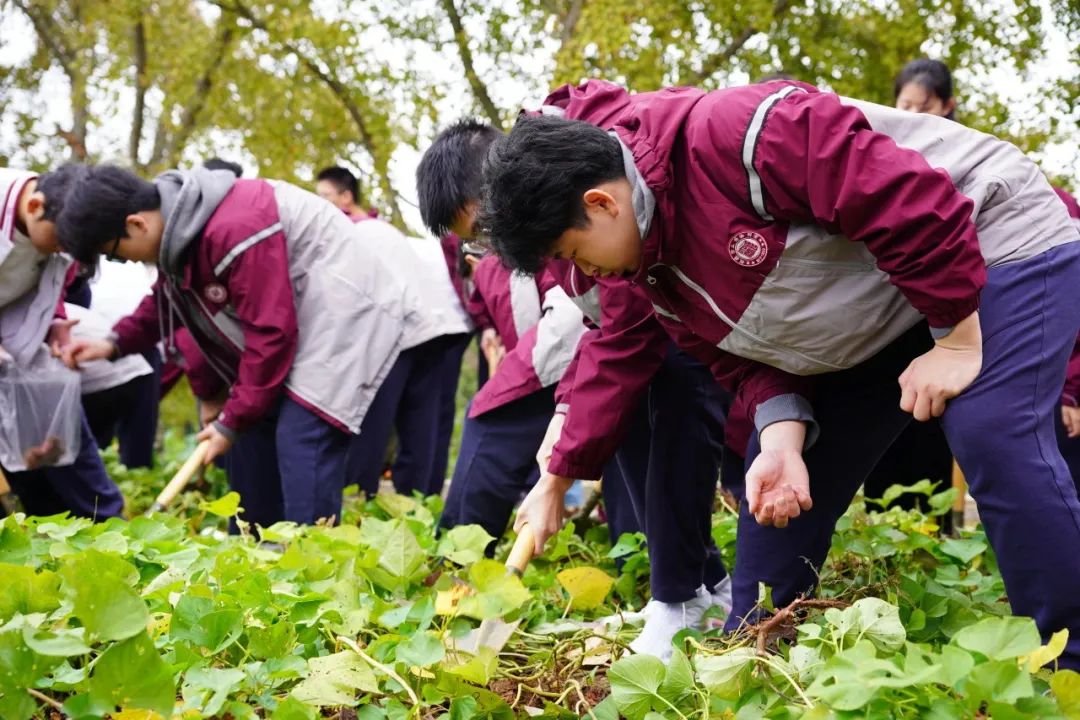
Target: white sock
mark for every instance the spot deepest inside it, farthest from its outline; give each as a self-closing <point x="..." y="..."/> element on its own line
<point x="665" y="620"/>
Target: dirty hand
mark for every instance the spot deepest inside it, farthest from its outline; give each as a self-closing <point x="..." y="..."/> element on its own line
<point x="219" y="443"/>
<point x="544" y="509"/>
<point x="83" y="350"/>
<point x="551" y="436"/>
<point x="59" y="336"/>
<point x="1070" y="416"/>
<point x="44" y="455"/>
<point x="943" y="372"/>
<point x="778" y="483"/>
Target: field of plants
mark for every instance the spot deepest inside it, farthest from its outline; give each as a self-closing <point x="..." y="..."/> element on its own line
<point x="166" y="617"/>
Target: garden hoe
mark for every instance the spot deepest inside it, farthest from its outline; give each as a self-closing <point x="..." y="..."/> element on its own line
<point x="181" y="478"/>
<point x="494" y="633"/>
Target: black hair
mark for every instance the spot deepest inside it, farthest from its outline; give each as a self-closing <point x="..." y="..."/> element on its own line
<point x="932" y="75"/>
<point x="54" y="185"/>
<point x="221" y="164"/>
<point x="534" y="180"/>
<point x="450" y="175"/>
<point x="342" y="179"/>
<point x="96" y="208"/>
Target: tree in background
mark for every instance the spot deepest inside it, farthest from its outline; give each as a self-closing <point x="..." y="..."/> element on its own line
<point x="293" y="84"/>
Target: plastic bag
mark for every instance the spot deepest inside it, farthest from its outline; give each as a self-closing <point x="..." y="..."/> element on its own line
<point x="40" y="412"/>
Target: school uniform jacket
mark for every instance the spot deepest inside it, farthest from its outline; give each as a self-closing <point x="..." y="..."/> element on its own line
<point x="538" y="325"/>
<point x="24" y="323"/>
<point x="749" y="200"/>
<point x="279" y="294"/>
<point x="1071" y="394"/>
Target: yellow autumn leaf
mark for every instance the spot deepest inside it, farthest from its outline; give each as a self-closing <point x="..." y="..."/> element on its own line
<point x="446" y="602"/>
<point x="136" y="715"/>
<point x="587" y="586"/>
<point x="1048" y="652"/>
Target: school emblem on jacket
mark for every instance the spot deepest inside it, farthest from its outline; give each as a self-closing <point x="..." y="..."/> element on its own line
<point x="215" y="293"/>
<point x="748" y="248"/>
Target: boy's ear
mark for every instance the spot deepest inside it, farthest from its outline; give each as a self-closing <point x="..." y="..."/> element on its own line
<point x="950" y="105"/>
<point x="35" y="205"/>
<point x="599" y="199"/>
<point x="137" y="223"/>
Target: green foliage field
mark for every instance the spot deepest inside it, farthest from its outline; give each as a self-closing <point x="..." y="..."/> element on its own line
<point x="166" y="616"/>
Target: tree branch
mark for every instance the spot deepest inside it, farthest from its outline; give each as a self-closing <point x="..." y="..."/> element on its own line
<point x="139" y="51"/>
<point x="343" y="95"/>
<point x="478" y="86"/>
<point x="570" y="21"/>
<point x="718" y="59"/>
<point x="190" y="114"/>
<point x="50" y="34"/>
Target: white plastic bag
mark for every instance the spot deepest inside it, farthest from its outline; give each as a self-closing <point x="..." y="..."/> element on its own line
<point x="39" y="410"/>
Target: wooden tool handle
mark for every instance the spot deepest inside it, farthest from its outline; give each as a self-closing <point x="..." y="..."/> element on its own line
<point x="4" y="487"/>
<point x="960" y="484"/>
<point x="522" y="551"/>
<point x="181" y="478"/>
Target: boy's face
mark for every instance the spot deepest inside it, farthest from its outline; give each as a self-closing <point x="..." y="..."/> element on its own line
<point x="143" y="241"/>
<point x="610" y="245"/>
<point x="42" y="232"/>
<point x="465" y="220"/>
<point x="342" y="199"/>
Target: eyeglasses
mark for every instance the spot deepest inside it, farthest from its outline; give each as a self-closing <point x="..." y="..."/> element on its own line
<point x="111" y="256"/>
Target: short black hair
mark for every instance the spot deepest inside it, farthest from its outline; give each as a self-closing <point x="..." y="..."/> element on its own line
<point x="451" y="173"/>
<point x="534" y="179"/>
<point x="932" y="75"/>
<point x="54" y="185"/>
<point x="342" y="179"/>
<point x="96" y="207"/>
<point x="221" y="164"/>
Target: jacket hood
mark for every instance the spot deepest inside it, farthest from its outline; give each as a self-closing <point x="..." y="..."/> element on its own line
<point x="188" y="199"/>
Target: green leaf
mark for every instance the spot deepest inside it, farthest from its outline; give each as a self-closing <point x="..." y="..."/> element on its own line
<point x="956" y="664"/>
<point x="635" y="685"/>
<point x="421" y="650"/>
<point x="292" y="709"/>
<point x="1065" y="684"/>
<point x="727" y="675"/>
<point x="1000" y="638"/>
<point x="20" y="667"/>
<point x="870" y="618"/>
<point x="27" y="591"/>
<point x="64" y="642"/>
<point x="15" y="545"/>
<point x="336" y="679"/>
<point x="477" y="669"/>
<point x="1001" y="680"/>
<point x="965" y="550"/>
<point x="679" y="678"/>
<point x="278" y="640"/>
<point x="498" y="592"/>
<point x="207" y="689"/>
<point x="400" y="554"/>
<point x="103" y="600"/>
<point x="132" y="675"/>
<point x="464" y="544"/>
<point x="226" y="506"/>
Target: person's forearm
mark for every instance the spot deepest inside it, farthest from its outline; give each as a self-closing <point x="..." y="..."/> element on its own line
<point x="784" y="436"/>
<point x="965" y="335"/>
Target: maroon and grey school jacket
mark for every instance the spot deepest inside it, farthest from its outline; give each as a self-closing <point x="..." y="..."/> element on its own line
<point x="538" y="325"/>
<point x="279" y="295"/>
<point x="789" y="232"/>
<point x="1071" y="394"/>
<point x="24" y="322"/>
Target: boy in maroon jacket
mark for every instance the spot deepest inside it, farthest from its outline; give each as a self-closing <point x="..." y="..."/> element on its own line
<point x="736" y="212"/>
